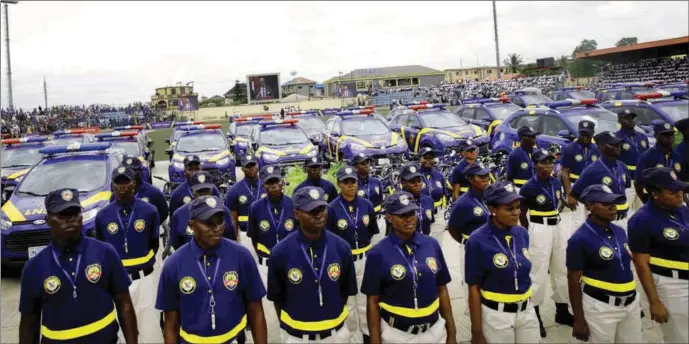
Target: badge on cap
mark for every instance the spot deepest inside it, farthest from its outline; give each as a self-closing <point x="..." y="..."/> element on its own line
<point x="314" y="193"/>
<point x="129" y="161"/>
<point x="348" y="170"/>
<point x="211" y="202"/>
<point x="412" y="169"/>
<point x="585" y="124"/>
<point x="509" y="188"/>
<point x="269" y="169"/>
<point x="404" y="200"/>
<point x="121" y="170"/>
<point x="469" y="142"/>
<point x="626" y="111"/>
<point x="248" y="157"/>
<point x="361" y="155"/>
<point x="201" y="178"/>
<point x="314" y="159"/>
<point x="667" y="126"/>
<point x="67" y="195"/>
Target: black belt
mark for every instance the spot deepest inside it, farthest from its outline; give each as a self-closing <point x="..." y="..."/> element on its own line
<point x="408" y="328"/>
<point x="545" y="220"/>
<point x="507" y="307"/>
<point x="138" y="274"/>
<point x="262" y="259"/>
<point x="667" y="272"/>
<point x="605" y="297"/>
<point x="314" y="335"/>
<point x="359" y="256"/>
<point x="621" y="216"/>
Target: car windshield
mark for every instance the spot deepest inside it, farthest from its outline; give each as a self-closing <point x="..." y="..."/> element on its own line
<point x="364" y="126"/>
<point x="311" y="123"/>
<point x="245" y="130"/>
<point x="177" y="135"/>
<point x="503" y="110"/>
<point x="442" y="119"/>
<point x="604" y="120"/>
<point x="67" y="140"/>
<point x="130" y="148"/>
<point x="206" y="142"/>
<point x="676" y="110"/>
<point x="536" y="99"/>
<point x="83" y="175"/>
<point x="580" y="94"/>
<point x="20" y="157"/>
<point x="287" y="135"/>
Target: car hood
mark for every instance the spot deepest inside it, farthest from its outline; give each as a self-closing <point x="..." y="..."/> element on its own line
<point x="284" y="150"/>
<point x="463" y="131"/>
<point x="213" y="156"/>
<point x="32" y="208"/>
<point x="381" y="141"/>
<point x="9" y="173"/>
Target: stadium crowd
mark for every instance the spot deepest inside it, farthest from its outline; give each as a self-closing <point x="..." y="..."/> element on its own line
<point x="665" y="69"/>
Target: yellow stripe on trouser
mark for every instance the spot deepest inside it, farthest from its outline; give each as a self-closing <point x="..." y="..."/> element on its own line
<point x="138" y="261"/>
<point x="506" y="298"/>
<point x="361" y="250"/>
<point x="543" y="213"/>
<point x="262" y="248"/>
<point x="670" y="264"/>
<point x="221" y="338"/>
<point x="314" y="326"/>
<point x="411" y="312"/>
<point x="80" y="331"/>
<point x="243" y="218"/>
<point x="615" y="287"/>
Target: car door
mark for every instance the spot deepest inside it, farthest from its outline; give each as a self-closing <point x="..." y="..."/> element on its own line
<point x="412" y="131"/>
<point x="482" y="118"/>
<point x="532" y="121"/>
<point x="467" y="114"/>
<point x="328" y="148"/>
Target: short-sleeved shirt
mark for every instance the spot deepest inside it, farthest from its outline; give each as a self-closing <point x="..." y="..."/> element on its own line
<point x="181" y="233"/>
<point x="425" y="215"/>
<point x="269" y="223"/>
<point x="519" y="167"/>
<point x="492" y="255"/>
<point x="183" y="195"/>
<point x="96" y="270"/>
<point x="654" y="157"/>
<point x="355" y="222"/>
<point x="328" y="187"/>
<point x="293" y="281"/>
<point x="468" y="213"/>
<point x="433" y="185"/>
<point x="632" y="147"/>
<point x="241" y="196"/>
<point x="603" y="255"/>
<point x="680" y="159"/>
<point x="151" y="194"/>
<point x="612" y="174"/>
<point x="185" y="287"/>
<point x="577" y="156"/>
<point x="392" y="268"/>
<point x="372" y="189"/>
<point x="458" y="177"/>
<point x="542" y="196"/>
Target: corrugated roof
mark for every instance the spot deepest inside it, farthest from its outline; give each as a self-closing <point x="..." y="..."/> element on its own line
<point x="389" y="71"/>
<point x="601" y="53"/>
<point x="299" y="81"/>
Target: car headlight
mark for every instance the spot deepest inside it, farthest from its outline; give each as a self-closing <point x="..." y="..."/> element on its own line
<point x="356" y="146"/>
<point x="89" y="215"/>
<point x="177" y="165"/>
<point x="242" y="143"/>
<point x="5" y="224"/>
<point x="269" y="157"/>
<point x="223" y="161"/>
<point x="443" y="137"/>
<point x="312" y="153"/>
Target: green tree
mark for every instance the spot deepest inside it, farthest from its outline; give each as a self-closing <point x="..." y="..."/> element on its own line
<point x="239" y="93"/>
<point x="626" y="41"/>
<point x="584" y="67"/>
<point x="515" y="62"/>
<point x="563" y="61"/>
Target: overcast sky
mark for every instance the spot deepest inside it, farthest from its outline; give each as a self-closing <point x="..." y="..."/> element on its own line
<point x="119" y="52"/>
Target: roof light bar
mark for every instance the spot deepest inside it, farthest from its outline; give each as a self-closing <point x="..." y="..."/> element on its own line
<point x="75" y="147"/>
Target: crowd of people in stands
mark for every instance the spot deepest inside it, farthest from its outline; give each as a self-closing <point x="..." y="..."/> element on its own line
<point x="665" y="69"/>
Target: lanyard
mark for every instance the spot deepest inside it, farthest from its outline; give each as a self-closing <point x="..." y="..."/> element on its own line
<point x="317" y="274"/>
<point x="72" y="281"/>
<point x="413" y="271"/>
<point x="616" y="250"/>
<point x="125" y="229"/>
<point x="586" y="155"/>
<point x="367" y="190"/>
<point x="419" y="226"/>
<point x="552" y="193"/>
<point x="258" y="190"/>
<point x="354" y="222"/>
<point x="480" y="204"/>
<point x="620" y="183"/>
<point x="276" y="225"/>
<point x="210" y="285"/>
<point x="429" y="184"/>
<point x="514" y="258"/>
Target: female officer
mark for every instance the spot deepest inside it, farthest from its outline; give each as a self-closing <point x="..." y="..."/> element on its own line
<point x="405" y="281"/>
<point x="659" y="240"/>
<point x="434" y="185"/>
<point x="497" y="268"/>
<point x="598" y="265"/>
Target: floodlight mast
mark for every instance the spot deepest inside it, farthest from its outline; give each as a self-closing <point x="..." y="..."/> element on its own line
<point x="7" y="43"/>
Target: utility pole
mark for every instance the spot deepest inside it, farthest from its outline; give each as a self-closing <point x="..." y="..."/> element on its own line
<point x="45" y="94"/>
<point x="497" y="46"/>
<point x="7" y="44"/>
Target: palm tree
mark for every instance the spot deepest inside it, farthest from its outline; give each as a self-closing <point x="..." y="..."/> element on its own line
<point x="515" y="62"/>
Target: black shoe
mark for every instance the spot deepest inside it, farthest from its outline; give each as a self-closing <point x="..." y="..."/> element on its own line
<point x="540" y="322"/>
<point x="367" y="339"/>
<point x="642" y="314"/>
<point x="562" y="315"/>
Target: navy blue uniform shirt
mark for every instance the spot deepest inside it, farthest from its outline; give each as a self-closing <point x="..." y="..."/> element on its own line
<point x="151" y="194"/>
<point x="241" y="196"/>
<point x="468" y="213"/>
<point x="433" y="185"/>
<point x="425" y="216"/>
<point x="611" y="174"/>
<point x="132" y="230"/>
<point x="577" y="157"/>
<point x="458" y="176"/>
<point x="46" y="289"/>
<point x="230" y="276"/>
<point x="355" y="222"/>
<point x="654" y="157"/>
<point x="269" y="223"/>
<point x="519" y="167"/>
<point x="632" y="147"/>
<point x="542" y="196"/>
<point x="680" y="159"/>
<point x="328" y="187"/>
<point x="181" y="233"/>
<point x="183" y="195"/>
<point x="372" y="189"/>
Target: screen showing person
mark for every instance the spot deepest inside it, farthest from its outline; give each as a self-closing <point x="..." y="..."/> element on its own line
<point x="264" y="87"/>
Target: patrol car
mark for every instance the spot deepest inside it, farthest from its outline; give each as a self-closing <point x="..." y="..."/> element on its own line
<point x="529" y="97"/>
<point x="209" y="143"/>
<point x="239" y="134"/>
<point x="681" y="86"/>
<point x="350" y="133"/>
<point x="17" y="156"/>
<point x="623" y="91"/>
<point x="433" y="126"/>
<point x="400" y="108"/>
<point x="131" y="143"/>
<point x="85" y="167"/>
<point x="70" y="136"/>
<point x="176" y="133"/>
<point x="486" y="112"/>
<point x="311" y="123"/>
<point x="282" y="143"/>
<point x="147" y="143"/>
<point x="660" y="105"/>
<point x="574" y="92"/>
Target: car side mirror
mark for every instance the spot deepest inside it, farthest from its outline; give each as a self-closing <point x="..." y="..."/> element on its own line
<point x="565" y="134"/>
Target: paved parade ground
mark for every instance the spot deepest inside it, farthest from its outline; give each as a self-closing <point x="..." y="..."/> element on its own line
<point x="556" y="333"/>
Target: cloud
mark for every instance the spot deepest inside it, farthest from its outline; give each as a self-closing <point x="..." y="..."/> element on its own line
<point x="119" y="52"/>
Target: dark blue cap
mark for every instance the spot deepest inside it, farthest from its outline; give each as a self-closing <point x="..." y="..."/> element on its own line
<point x="607" y="138"/>
<point x="401" y="202"/>
<point x="427" y="151"/>
<point x="682" y="124"/>
<point x="664" y="178"/>
<point x="526" y="131"/>
<point x="500" y="193"/>
<point x="204" y="207"/>
<point x="600" y="193"/>
<point x="313" y="162"/>
<point x="476" y="169"/>
<point x="361" y="157"/>
<point x="309" y="198"/>
<point x="466" y="145"/>
<point x="123" y="171"/>
<point x="661" y="127"/>
<point x="541" y="154"/>
<point x="201" y="180"/>
<point x="346" y="173"/>
<point x="587" y="126"/>
<point x="626" y="113"/>
<point x="61" y="199"/>
<point x="133" y="162"/>
<point x="191" y="159"/>
<point x="269" y="172"/>
<point x="409" y="172"/>
<point x="248" y="159"/>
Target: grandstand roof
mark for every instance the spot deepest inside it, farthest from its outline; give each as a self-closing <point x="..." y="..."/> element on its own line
<point x="661" y="48"/>
<point x="386" y="72"/>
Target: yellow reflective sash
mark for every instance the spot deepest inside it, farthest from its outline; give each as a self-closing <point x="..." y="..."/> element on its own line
<point x="670" y="264"/>
<point x="262" y="248"/>
<point x="221" y="338"/>
<point x="138" y="261"/>
<point x="361" y="250"/>
<point x="411" y="312"/>
<point x="622" y="206"/>
<point x="506" y="298"/>
<point x="243" y="218"/>
<point x="314" y="326"/>
<point x="80" y="331"/>
<point x="376" y="209"/>
<point x="519" y="182"/>
<point x="614" y="287"/>
<point x="543" y="213"/>
<point x="573" y="176"/>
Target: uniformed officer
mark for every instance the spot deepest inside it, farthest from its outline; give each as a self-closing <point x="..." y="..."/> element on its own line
<point x="519" y="167"/>
<point x="547" y="239"/>
<point x="497" y="269"/>
<point x="633" y="145"/>
<point x="370" y="187"/>
<point x="311" y="275"/>
<point x="314" y="169"/>
<point x="680" y="155"/>
<point x="458" y="180"/>
<point x="145" y="191"/>
<point x="242" y="195"/>
<point x="609" y="171"/>
<point x="271" y="218"/>
<point x="434" y="184"/>
<point x="131" y="227"/>
<point x="406" y="282"/>
<point x="352" y="218"/>
<point x="182" y="194"/>
<point x="598" y="266"/>
<point x="659" y="241"/>
<point x="410" y="179"/>
<point x="210" y="289"/>
<point x="180" y="229"/>
<point x="659" y="155"/>
<point x="75" y="289"/>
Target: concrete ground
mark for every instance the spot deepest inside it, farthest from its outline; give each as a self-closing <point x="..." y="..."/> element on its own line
<point x="9" y="301"/>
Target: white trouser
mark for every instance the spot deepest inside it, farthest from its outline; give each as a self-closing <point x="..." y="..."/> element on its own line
<point x="547" y="248"/>
<point x="263" y="271"/>
<point x="674" y="294"/>
<point x="245" y="241"/>
<point x="143" y="293"/>
<point x="504" y="327"/>
<point x="633" y="200"/>
<point x="435" y="334"/>
<point x="438" y="232"/>
<point x="576" y="218"/>
<point x="381" y="234"/>
<point x="356" y="320"/>
<point x="612" y="324"/>
<point x="338" y="336"/>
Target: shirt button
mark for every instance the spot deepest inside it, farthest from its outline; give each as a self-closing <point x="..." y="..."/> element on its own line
<point x="315" y="256"/>
<point x="210" y="291"/>
<point x="209" y="278"/>
<point x="616" y="248"/>
<point x="209" y="264"/>
<point x="609" y="237"/>
<point x="70" y="259"/>
<point x="72" y="274"/>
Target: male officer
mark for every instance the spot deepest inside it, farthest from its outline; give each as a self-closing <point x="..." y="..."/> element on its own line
<point x="519" y="167"/>
<point x="71" y="285"/>
<point x="411" y="183"/>
<point x="352" y="218"/>
<point x="182" y="194"/>
<point x="314" y="169"/>
<point x="458" y="180"/>
<point x="271" y="218"/>
<point x="211" y="287"/>
<point x="131" y="227"/>
<point x="311" y="275"/>
<point x="243" y="194"/>
<point x="633" y="145"/>
<point x="180" y="230"/>
<point x="659" y="155"/>
<point x="575" y="158"/>
<point x="434" y="184"/>
<point x="145" y="191"/>
<point x="680" y="155"/>
<point x="369" y="187"/>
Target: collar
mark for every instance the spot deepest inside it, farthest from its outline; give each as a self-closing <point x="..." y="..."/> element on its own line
<point x="314" y="182"/>
<point x="494" y="230"/>
<point x="198" y="252"/>
<point x="608" y="161"/>
<point x="279" y="202"/>
<point x="426" y="170"/>
<point x="126" y="206"/>
<point x="474" y="194"/>
<point x="527" y="150"/>
<point x="578" y="141"/>
<point x="398" y="242"/>
<point x="660" y="150"/>
<point x="254" y="184"/>
<point x="364" y="180"/>
<point x="78" y="247"/>
<point x="355" y="201"/>
<point x="668" y="212"/>
<point x="543" y="181"/>
<point x="321" y="242"/>
<point x="597" y="227"/>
